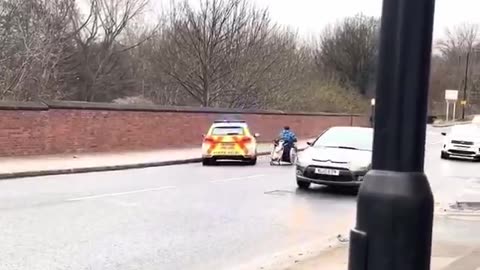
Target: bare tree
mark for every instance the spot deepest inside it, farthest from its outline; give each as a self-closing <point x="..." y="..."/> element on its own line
<point x="224" y="53"/>
<point x="150" y="80"/>
<point x="197" y="45"/>
<point x="458" y="57"/>
<point x="349" y="49"/>
<point x="103" y="67"/>
<point x="459" y="40"/>
<point x="34" y="35"/>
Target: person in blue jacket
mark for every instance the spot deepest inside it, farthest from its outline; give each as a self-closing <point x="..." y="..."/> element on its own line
<point x="287" y="135"/>
<point x="289" y="139"/>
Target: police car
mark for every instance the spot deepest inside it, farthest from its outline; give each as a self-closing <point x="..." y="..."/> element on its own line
<point x="229" y="140"/>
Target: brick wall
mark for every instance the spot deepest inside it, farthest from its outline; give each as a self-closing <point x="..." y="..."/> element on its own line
<point x="67" y="127"/>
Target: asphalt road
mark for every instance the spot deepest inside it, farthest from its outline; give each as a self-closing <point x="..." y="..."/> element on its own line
<point x="180" y="217"/>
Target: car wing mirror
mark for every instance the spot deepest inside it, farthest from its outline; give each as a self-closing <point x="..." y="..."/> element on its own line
<point x="309" y="143"/>
<point x="256" y="135"/>
<point x="444" y="134"/>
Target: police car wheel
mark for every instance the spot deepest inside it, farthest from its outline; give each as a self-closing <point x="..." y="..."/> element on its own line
<point x="207" y="161"/>
<point x="252" y="161"/>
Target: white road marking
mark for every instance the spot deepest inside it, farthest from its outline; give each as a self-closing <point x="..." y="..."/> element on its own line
<point x="237" y="178"/>
<point x="437" y="142"/>
<point x="118" y="194"/>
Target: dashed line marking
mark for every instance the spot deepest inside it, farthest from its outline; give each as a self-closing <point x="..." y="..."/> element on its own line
<point x="93" y="197"/>
<point x="437" y="142"/>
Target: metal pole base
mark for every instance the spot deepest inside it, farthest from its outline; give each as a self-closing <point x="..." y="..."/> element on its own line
<point x="394" y="222"/>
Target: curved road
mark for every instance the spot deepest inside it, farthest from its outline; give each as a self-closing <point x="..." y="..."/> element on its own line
<point x="180" y="217"/>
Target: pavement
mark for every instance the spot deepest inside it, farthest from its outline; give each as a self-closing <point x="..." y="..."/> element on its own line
<point x="221" y="217"/>
<point x="94" y="162"/>
<point x="456" y="246"/>
<point x="443" y="123"/>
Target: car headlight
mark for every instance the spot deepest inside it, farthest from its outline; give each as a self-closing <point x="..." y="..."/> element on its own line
<point x="359" y="168"/>
<point x="300" y="170"/>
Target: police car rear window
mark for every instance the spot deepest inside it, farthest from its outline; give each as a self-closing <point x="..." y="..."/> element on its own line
<point x="219" y="131"/>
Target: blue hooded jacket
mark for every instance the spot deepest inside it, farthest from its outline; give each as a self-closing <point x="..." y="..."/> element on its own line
<point x="288" y="136"/>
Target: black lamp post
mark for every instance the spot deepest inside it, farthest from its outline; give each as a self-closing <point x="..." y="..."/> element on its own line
<point x="395" y="203"/>
<point x="464" y="101"/>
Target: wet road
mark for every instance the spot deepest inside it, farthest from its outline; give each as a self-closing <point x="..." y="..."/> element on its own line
<point x="451" y="180"/>
<point x="180" y="217"/>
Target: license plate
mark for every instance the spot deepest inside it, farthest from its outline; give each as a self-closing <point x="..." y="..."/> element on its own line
<point x="227" y="145"/>
<point x="225" y="153"/>
<point x="327" y="171"/>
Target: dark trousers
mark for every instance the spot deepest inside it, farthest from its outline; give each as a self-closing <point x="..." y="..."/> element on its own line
<point x="286" y="152"/>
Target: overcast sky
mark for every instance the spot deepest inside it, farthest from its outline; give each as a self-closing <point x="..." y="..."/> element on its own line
<point x="309" y="17"/>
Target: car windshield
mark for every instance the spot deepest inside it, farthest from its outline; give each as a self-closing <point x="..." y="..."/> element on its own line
<point x="348" y="138"/>
<point x="221" y="131"/>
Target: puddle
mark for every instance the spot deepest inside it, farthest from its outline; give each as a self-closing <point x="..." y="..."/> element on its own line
<point x="279" y="192"/>
<point x="472" y="206"/>
<point x="459" y="229"/>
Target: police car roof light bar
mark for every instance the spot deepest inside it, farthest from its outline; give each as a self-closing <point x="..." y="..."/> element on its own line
<point x="229" y="121"/>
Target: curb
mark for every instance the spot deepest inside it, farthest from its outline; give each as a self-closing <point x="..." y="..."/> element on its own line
<point x="14" y="175"/>
<point x="4" y="176"/>
<point x="450" y="124"/>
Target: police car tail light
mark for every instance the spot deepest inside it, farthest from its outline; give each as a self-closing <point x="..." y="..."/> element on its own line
<point x="246" y="139"/>
<point x="208" y="140"/>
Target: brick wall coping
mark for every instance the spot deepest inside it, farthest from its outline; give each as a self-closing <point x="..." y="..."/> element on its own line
<point x="24" y="106"/>
<point x="78" y="105"/>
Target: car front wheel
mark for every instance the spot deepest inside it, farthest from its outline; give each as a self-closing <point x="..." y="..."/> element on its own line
<point x="303" y="184"/>
<point x="444" y="155"/>
<point x="252" y="161"/>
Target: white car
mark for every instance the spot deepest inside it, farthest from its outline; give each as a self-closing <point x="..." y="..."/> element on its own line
<point x="463" y="141"/>
<point x="341" y="156"/>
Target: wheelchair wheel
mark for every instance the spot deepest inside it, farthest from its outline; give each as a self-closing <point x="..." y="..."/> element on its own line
<point x="293" y="155"/>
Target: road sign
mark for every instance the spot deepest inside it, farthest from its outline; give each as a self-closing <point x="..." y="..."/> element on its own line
<point x="451" y="95"/>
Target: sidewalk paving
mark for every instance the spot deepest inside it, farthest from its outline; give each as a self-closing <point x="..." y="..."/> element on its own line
<point x="455" y="247"/>
<point x="445" y="257"/>
<point x="450" y="123"/>
<point x="17" y="167"/>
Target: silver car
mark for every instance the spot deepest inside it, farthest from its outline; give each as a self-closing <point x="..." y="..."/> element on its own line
<point x="341" y="156"/>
